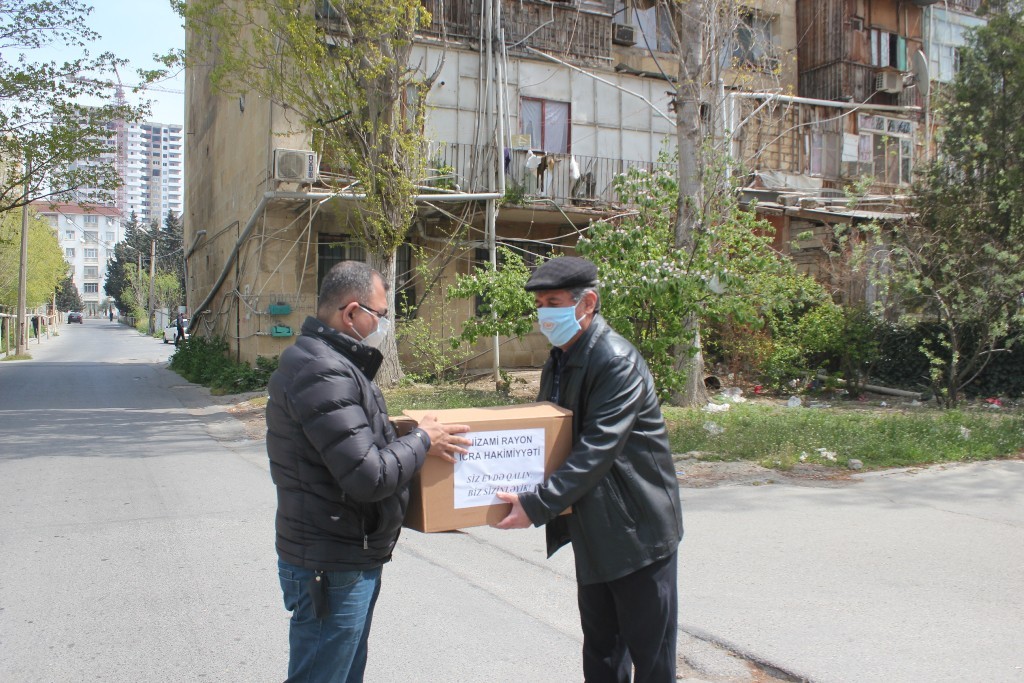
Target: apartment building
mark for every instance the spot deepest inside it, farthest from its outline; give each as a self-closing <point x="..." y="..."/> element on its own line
<point x="946" y="25"/>
<point x="810" y="97"/>
<point x="150" y="159"/>
<point x="544" y="116"/>
<point x="87" y="235"/>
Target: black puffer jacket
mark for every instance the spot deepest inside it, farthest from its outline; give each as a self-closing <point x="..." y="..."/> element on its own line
<point x="342" y="476"/>
<point x="619" y="477"/>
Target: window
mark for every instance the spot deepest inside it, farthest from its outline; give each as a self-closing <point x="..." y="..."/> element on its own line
<point x="653" y="23"/>
<point x="405" y="290"/>
<point x="752" y="41"/>
<point x="825" y="154"/>
<point x="91" y="236"/>
<point x="110" y="237"/>
<point x="547" y="124"/>
<point x="91" y="219"/>
<point x="90" y="287"/>
<point x="92" y="271"/>
<point x="69" y="234"/>
<point x="334" y="249"/>
<point x="887" y="144"/>
<point x="888" y="49"/>
<point x="89" y="253"/>
<point x="69" y="252"/>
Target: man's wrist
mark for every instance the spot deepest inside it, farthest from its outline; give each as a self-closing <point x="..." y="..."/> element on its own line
<point x="422" y="436"/>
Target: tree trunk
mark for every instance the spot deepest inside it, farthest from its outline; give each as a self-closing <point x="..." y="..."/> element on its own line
<point x="694" y="392"/>
<point x="691" y="191"/>
<point x="390" y="373"/>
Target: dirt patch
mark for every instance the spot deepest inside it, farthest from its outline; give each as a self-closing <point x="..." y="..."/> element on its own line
<point x="696" y="474"/>
<point x="253" y="414"/>
<point x="522" y="384"/>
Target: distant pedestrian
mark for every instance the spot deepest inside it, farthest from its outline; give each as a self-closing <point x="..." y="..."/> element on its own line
<point x="35" y="327"/>
<point x="111" y="314"/>
<point x="180" y="323"/>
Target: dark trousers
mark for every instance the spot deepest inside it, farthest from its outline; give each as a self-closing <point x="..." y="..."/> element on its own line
<point x="631" y="622"/>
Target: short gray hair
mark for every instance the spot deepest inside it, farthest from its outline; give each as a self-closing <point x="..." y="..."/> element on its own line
<point x="578" y="292"/>
<point x="344" y="283"/>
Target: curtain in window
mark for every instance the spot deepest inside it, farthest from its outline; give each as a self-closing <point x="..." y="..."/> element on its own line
<point x="531" y="121"/>
<point x="556" y="127"/>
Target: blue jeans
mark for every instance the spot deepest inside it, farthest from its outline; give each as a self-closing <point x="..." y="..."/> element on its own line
<point x="332" y="649"/>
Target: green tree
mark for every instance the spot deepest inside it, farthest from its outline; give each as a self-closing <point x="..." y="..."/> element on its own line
<point x="170" y="251"/>
<point x="46" y="267"/>
<point x="505" y="307"/>
<point x="961" y="262"/>
<point x="658" y="295"/>
<point x="68" y="298"/>
<point x="44" y="118"/>
<point x="343" y="69"/>
<point x="123" y="268"/>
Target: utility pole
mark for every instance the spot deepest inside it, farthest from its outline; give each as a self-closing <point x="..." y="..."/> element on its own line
<point x="152" y="277"/>
<point x="23" y="267"/>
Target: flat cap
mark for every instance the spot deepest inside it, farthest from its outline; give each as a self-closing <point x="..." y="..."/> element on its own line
<point x="564" y="272"/>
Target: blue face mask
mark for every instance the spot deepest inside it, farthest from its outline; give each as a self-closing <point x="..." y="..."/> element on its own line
<point x="559" y="325"/>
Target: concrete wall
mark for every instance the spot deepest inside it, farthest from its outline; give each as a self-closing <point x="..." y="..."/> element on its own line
<point x="605" y="120"/>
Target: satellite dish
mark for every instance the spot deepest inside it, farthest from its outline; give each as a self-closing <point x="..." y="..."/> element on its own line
<point x="919" y="67"/>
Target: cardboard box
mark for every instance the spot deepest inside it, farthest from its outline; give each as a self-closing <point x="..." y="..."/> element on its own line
<point x="513" y="444"/>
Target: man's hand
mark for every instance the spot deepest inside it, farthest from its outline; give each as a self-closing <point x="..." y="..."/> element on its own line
<point x="517" y="518"/>
<point x="444" y="439"/>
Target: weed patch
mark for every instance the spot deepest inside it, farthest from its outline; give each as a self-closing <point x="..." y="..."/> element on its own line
<point x="779" y="437"/>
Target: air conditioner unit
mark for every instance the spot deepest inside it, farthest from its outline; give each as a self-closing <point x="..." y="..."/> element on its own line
<point x="623" y="34"/>
<point x="889" y="81"/>
<point x="295" y="165"/>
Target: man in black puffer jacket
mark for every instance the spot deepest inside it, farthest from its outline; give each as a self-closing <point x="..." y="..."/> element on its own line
<point x="626" y="521"/>
<point x="342" y="474"/>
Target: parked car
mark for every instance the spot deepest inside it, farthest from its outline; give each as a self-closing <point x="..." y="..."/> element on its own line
<point x="171" y="332"/>
<point x="75" y="317"/>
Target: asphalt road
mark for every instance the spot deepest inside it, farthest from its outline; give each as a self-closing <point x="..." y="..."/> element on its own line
<point x="136" y="544"/>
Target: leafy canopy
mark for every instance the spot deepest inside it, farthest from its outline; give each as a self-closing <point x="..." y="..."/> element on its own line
<point x="962" y="262"/>
<point x="46" y="265"/>
<point x="343" y="70"/>
<point x="45" y="118"/>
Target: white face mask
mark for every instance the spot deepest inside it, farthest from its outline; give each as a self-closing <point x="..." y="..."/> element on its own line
<point x="375" y="338"/>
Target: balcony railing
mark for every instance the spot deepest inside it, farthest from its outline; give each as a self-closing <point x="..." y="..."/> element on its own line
<point x="569" y="30"/>
<point x="589" y="184"/>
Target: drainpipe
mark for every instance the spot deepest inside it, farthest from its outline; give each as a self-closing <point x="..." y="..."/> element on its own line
<point x="825" y="103"/>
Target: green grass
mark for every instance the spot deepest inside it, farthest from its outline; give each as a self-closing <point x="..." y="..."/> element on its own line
<point x="434" y="397"/>
<point x="776" y="436"/>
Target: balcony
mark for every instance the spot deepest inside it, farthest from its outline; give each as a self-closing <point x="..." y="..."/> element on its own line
<point x="466" y="166"/>
<point x="581" y="32"/>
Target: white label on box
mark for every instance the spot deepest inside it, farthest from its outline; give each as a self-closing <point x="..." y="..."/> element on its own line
<point x="510" y="460"/>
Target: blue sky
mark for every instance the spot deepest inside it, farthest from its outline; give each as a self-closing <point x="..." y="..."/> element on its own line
<point x="135" y="30"/>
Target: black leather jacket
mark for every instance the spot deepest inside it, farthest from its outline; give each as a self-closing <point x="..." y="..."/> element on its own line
<point x="342" y="476"/>
<point x="619" y="477"/>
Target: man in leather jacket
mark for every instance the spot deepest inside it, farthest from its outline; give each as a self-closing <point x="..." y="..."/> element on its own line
<point x="342" y="474"/>
<point x="626" y="520"/>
